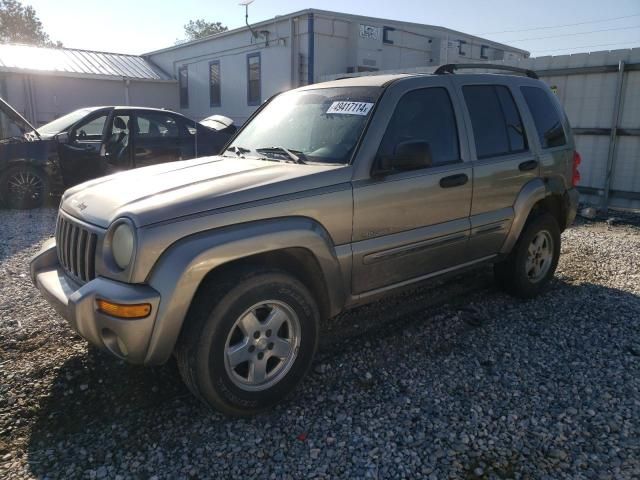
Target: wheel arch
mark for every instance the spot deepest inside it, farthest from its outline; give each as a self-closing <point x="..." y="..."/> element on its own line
<point x="297" y="245"/>
<point x="538" y="195"/>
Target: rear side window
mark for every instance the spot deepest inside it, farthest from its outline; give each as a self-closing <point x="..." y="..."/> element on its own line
<point x="425" y="115"/>
<point x="545" y="116"/>
<point x="497" y="126"/>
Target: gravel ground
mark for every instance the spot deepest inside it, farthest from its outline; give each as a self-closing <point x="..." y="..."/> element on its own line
<point x="453" y="381"/>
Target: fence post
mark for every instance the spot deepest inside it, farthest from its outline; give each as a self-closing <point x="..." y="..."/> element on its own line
<point x="613" y="136"/>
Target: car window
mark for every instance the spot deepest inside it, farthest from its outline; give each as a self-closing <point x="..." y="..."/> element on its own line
<point x="496" y="122"/>
<point x="545" y="116"/>
<point x="91" y="129"/>
<point x="424" y="115"/>
<point x="323" y="124"/>
<point x="156" y="125"/>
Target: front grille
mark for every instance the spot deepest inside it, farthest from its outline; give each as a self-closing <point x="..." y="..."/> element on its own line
<point x="76" y="249"/>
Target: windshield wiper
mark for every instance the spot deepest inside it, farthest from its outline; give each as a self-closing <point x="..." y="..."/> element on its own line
<point x="295" y="155"/>
<point x="238" y="150"/>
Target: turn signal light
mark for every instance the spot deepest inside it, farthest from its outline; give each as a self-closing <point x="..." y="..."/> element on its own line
<point x="140" y="310"/>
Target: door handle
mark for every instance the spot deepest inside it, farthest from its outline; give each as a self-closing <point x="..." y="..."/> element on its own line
<point x="528" y="165"/>
<point x="454" y="180"/>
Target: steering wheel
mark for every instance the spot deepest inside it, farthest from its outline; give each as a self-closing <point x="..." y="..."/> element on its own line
<point x="82" y="134"/>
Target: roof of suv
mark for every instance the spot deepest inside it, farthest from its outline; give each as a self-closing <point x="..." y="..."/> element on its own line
<point x="383" y="80"/>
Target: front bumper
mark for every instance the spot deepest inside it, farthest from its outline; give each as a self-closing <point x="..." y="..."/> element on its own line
<point x="127" y="339"/>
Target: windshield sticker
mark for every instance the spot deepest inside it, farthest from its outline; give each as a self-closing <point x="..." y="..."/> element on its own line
<point x="350" y="108"/>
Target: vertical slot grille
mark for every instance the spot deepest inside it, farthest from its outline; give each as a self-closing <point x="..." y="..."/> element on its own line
<point x="76" y="249"/>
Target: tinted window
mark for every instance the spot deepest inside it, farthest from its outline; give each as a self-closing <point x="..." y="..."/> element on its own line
<point x="156" y="125"/>
<point x="253" y="79"/>
<point x="545" y="116"/>
<point x="214" y="84"/>
<point x="424" y="115"/>
<point x="497" y="127"/>
<point x="183" y="81"/>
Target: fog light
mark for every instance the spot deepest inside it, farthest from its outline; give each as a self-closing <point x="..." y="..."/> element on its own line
<point x="139" y="310"/>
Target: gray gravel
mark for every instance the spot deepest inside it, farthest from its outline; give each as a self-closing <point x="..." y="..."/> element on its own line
<point x="452" y="381"/>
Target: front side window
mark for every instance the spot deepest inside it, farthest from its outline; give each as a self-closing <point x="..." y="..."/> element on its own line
<point x="497" y="127"/>
<point x="253" y="79"/>
<point x="545" y="116"/>
<point x="320" y="125"/>
<point x="424" y="115"/>
<point x="214" y="84"/>
<point x="91" y="129"/>
<point x="183" y="82"/>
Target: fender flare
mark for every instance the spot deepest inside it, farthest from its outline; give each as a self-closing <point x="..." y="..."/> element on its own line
<point x="180" y="270"/>
<point x="530" y="194"/>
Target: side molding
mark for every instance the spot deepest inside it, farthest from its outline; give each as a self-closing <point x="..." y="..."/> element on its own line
<point x="180" y="270"/>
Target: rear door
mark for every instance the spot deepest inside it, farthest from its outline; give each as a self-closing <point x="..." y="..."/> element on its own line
<point x="408" y="224"/>
<point x="157" y="138"/>
<point x="80" y="156"/>
<point x="502" y="160"/>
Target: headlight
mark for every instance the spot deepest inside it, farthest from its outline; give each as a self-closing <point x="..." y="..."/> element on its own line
<point x="122" y="245"/>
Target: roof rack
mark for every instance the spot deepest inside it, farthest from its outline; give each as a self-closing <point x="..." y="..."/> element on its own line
<point x="452" y="67"/>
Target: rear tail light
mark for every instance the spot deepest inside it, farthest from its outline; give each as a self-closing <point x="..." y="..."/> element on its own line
<point x="575" y="177"/>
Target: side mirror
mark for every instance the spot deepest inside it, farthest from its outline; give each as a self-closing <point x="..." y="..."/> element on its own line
<point x="62" y="138"/>
<point x="412" y="155"/>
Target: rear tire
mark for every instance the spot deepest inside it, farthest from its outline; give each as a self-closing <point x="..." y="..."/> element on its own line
<point x="247" y="343"/>
<point x="24" y="187"/>
<point x="528" y="269"/>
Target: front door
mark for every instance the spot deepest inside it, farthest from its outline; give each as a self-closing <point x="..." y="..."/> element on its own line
<point x="502" y="161"/>
<point x="408" y="224"/>
<point x="80" y="156"/>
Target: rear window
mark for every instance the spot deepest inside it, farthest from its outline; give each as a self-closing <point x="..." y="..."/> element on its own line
<point x="545" y="116"/>
<point x="497" y="127"/>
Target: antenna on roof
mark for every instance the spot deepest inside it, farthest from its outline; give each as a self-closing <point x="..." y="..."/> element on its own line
<point x="246" y="4"/>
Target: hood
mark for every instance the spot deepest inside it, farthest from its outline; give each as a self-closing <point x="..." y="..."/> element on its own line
<point x="13" y="114"/>
<point x="171" y="190"/>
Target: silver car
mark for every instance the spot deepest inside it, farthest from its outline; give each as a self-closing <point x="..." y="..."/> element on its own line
<point x="331" y="196"/>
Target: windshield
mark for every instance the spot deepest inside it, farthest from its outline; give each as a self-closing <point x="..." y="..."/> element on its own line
<point x="323" y="125"/>
<point x="63" y="123"/>
<point x="8" y="128"/>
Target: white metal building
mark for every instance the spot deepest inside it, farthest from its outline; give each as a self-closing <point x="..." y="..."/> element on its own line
<point x="233" y="72"/>
<point x="46" y="83"/>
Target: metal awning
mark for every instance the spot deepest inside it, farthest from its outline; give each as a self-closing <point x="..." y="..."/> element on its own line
<point x="80" y="63"/>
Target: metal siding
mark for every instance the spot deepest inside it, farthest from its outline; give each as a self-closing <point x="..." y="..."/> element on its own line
<point x="82" y="62"/>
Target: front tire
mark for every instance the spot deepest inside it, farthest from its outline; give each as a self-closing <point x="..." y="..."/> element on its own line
<point x="248" y="343"/>
<point x="24" y="187"/>
<point x="529" y="268"/>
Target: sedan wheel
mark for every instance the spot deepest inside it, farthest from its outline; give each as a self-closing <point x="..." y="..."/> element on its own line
<point x="24" y="187"/>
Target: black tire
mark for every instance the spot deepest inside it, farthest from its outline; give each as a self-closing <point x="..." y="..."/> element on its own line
<point x="511" y="274"/>
<point x="24" y="187"/>
<point x="201" y="348"/>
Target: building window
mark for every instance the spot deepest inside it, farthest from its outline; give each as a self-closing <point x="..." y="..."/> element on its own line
<point x="484" y="50"/>
<point x="461" y="44"/>
<point x="214" y="84"/>
<point x="253" y="79"/>
<point x="183" y="82"/>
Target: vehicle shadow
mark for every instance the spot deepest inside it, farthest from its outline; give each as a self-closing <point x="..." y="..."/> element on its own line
<point x="100" y="410"/>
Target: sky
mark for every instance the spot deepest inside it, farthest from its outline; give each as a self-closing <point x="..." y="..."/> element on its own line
<point x="139" y="26"/>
